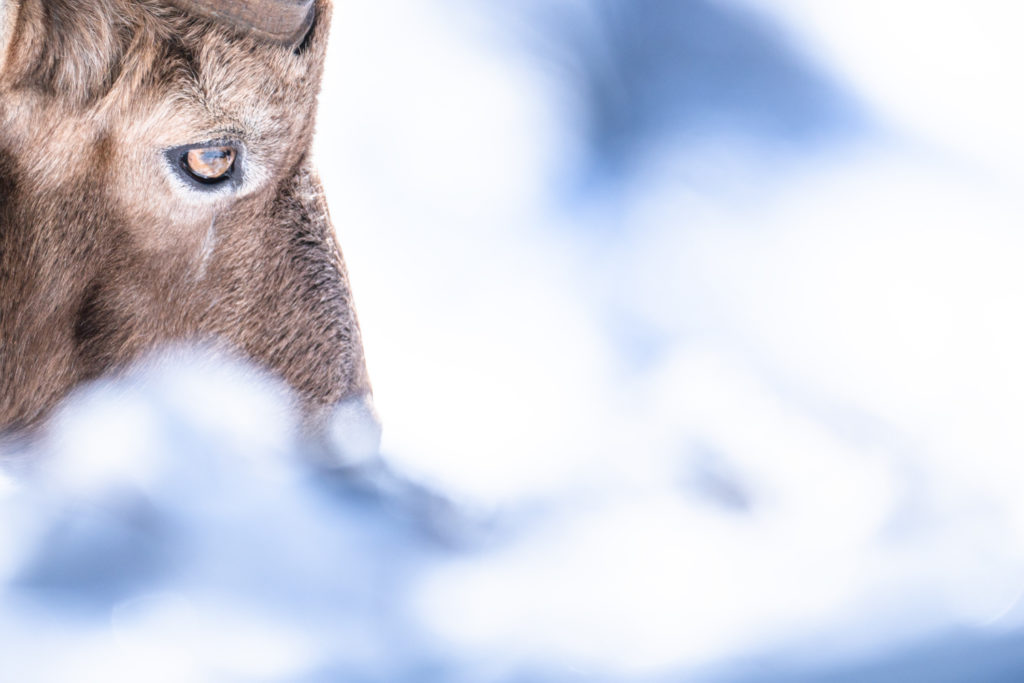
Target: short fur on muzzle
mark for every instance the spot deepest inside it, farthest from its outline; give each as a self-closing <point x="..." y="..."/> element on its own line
<point x="285" y="22"/>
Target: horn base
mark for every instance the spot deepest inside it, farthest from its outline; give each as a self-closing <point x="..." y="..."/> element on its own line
<point x="284" y="22"/>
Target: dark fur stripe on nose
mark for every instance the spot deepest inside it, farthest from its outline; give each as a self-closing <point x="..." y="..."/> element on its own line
<point x="277" y="21"/>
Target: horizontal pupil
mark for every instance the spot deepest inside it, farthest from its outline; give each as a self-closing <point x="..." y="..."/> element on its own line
<point x="210" y="162"/>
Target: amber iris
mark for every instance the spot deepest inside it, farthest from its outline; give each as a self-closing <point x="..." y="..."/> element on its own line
<point x="210" y="163"/>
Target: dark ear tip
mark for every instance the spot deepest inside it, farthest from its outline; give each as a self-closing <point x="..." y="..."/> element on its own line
<point x="281" y="22"/>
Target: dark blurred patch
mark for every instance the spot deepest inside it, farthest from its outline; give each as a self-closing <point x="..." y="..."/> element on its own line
<point x="958" y="657"/>
<point x="379" y="492"/>
<point x="94" y="555"/>
<point x="710" y="477"/>
<point x="687" y="70"/>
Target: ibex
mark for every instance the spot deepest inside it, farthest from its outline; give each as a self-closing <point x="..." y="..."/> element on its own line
<point x="156" y="188"/>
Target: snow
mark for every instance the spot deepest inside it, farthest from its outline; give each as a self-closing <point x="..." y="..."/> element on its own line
<point x="721" y="383"/>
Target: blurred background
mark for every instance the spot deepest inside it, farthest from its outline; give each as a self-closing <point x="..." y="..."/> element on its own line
<point x="694" y="331"/>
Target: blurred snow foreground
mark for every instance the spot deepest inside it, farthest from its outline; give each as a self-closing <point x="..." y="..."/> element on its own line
<point x="695" y="332"/>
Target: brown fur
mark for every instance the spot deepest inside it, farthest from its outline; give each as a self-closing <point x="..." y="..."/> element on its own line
<point x="103" y="257"/>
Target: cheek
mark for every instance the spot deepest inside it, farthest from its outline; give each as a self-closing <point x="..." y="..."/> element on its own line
<point x="157" y="219"/>
<point x="138" y="185"/>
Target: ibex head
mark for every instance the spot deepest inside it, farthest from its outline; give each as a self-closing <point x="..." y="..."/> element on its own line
<point x="156" y="188"/>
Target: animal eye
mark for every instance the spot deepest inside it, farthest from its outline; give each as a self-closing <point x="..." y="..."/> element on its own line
<point x="209" y="164"/>
<point x="214" y="167"/>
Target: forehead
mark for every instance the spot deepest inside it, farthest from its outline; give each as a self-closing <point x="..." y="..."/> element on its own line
<point x="214" y="81"/>
<point x="99" y="54"/>
<point x="219" y="71"/>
